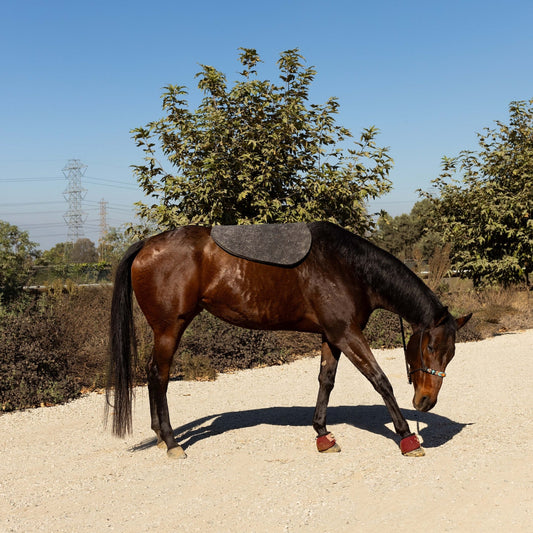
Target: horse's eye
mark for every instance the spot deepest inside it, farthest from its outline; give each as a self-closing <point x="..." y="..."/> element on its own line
<point x="430" y="348"/>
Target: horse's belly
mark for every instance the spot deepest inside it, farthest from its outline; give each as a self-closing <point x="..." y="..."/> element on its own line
<point x="247" y="319"/>
<point x="269" y="302"/>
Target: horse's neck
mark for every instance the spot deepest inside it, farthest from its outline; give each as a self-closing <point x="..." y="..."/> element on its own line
<point x="392" y="284"/>
<point x="408" y="297"/>
<point x="397" y="288"/>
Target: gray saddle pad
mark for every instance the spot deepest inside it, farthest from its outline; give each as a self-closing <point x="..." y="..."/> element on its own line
<point x="273" y="244"/>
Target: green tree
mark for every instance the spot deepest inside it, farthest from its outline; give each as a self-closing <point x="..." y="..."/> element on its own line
<point x="59" y="254"/>
<point x="408" y="235"/>
<point x="114" y="243"/>
<point x="257" y="153"/>
<point x="17" y="254"/>
<point x="63" y="253"/>
<point x="485" y="201"/>
<point x="84" y="251"/>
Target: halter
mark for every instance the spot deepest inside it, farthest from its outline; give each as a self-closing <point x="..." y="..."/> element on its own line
<point x="423" y="367"/>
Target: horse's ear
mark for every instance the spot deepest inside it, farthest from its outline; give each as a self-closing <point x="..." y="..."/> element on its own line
<point x="463" y="320"/>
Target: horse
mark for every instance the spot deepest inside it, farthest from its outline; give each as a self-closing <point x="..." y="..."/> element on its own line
<point x="332" y="291"/>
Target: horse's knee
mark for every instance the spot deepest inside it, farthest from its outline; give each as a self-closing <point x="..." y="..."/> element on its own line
<point x="327" y="372"/>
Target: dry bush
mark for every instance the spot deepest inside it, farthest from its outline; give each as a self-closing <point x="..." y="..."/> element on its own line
<point x="227" y="347"/>
<point x="84" y="314"/>
<point x="383" y="330"/>
<point x="496" y="310"/>
<point x="34" y="364"/>
<point x="439" y="265"/>
<point x="52" y="348"/>
<point x="208" y="346"/>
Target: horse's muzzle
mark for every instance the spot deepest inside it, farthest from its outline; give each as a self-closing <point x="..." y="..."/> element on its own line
<point x="424" y="404"/>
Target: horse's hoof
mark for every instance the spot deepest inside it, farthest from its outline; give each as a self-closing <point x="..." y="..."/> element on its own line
<point x="161" y="444"/>
<point x="410" y="446"/>
<point x="327" y="444"/>
<point x="176" y="453"/>
<point x="334" y="449"/>
<point x="419" y="452"/>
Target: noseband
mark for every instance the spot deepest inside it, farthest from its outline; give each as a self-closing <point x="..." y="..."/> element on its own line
<point x="423" y="367"/>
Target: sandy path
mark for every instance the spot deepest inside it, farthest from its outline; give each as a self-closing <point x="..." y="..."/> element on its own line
<point x="252" y="463"/>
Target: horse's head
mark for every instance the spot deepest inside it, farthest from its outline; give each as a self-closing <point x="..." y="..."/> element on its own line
<point x="427" y="354"/>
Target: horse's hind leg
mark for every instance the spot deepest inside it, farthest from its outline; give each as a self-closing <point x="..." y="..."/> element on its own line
<point x="328" y="369"/>
<point x="158" y="371"/>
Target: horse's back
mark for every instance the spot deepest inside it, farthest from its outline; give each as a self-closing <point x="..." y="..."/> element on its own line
<point x="184" y="269"/>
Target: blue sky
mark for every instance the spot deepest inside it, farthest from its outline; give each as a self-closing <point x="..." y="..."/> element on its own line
<point x="78" y="76"/>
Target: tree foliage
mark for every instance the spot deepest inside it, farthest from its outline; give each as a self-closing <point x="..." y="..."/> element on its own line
<point x="114" y="244"/>
<point x="485" y="201"/>
<point x="408" y="236"/>
<point x="58" y="254"/>
<point x="257" y="153"/>
<point x="81" y="251"/>
<point x="17" y="254"/>
<point x="68" y="262"/>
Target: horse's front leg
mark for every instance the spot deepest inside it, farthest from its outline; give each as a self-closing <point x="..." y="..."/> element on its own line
<point x="328" y="368"/>
<point x="358" y="351"/>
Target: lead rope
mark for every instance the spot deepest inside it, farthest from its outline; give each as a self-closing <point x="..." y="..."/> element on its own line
<point x="417" y="440"/>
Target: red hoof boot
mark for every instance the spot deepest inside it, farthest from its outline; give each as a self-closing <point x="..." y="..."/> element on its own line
<point x="327" y="443"/>
<point x="411" y="447"/>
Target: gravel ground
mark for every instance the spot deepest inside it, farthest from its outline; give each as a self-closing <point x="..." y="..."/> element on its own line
<point x="252" y="463"/>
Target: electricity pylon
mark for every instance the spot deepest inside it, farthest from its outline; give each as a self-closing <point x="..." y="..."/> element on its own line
<point x="74" y="194"/>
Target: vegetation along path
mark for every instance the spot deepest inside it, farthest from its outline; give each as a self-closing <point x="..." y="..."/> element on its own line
<point x="252" y="463"/>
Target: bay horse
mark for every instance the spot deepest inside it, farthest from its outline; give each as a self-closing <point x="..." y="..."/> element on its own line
<point x="332" y="291"/>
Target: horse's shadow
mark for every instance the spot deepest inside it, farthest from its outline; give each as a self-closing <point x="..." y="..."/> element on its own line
<point x="434" y="429"/>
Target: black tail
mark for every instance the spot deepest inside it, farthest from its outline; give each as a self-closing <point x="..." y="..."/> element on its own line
<point x="122" y="345"/>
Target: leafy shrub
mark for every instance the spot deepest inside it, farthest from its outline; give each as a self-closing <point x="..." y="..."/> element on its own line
<point x="34" y="366"/>
<point x="52" y="348"/>
<point x="383" y="330"/>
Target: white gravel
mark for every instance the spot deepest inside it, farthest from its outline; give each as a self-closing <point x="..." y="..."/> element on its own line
<point x="252" y="463"/>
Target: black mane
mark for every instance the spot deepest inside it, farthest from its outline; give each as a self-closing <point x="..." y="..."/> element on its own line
<point x="402" y="291"/>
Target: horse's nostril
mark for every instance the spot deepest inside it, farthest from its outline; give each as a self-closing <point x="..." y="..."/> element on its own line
<point x="423" y="404"/>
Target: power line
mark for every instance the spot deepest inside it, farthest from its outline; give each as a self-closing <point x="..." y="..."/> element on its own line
<point x="16" y="180"/>
<point x="97" y="181"/>
<point x="44" y="225"/>
<point x="12" y="213"/>
<point x="12" y="204"/>
<point x="111" y="183"/>
<point x="125" y="209"/>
